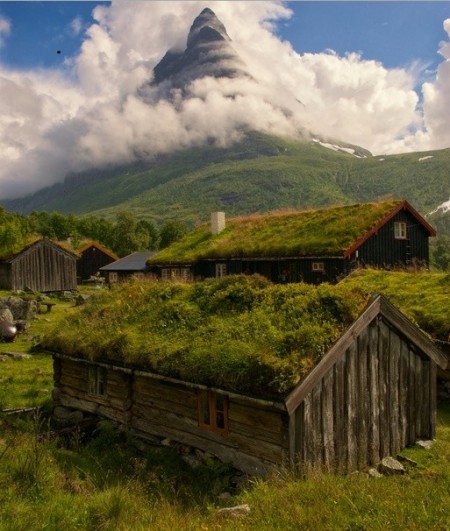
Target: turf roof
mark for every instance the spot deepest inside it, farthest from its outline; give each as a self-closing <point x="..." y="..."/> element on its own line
<point x="239" y="333"/>
<point x="322" y="232"/>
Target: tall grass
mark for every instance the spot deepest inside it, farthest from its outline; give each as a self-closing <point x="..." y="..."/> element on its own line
<point x="109" y="484"/>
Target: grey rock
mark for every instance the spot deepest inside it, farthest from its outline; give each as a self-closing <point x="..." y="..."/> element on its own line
<point x="192" y="461"/>
<point x="406" y="460"/>
<point x="6" y="315"/>
<point x="236" y="511"/>
<point x="390" y="466"/>
<point x="427" y="445"/>
<point x="373" y="473"/>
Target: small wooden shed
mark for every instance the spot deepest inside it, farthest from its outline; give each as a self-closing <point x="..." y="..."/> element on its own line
<point x="41" y="266"/>
<point x="92" y="257"/>
<point x="371" y="395"/>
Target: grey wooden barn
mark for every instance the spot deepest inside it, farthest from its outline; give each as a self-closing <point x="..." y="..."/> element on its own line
<point x="41" y="266"/>
<point x="371" y="395"/>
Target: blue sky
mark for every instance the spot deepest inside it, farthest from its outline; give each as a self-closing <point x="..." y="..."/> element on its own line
<point x="76" y="93"/>
<point x="395" y="33"/>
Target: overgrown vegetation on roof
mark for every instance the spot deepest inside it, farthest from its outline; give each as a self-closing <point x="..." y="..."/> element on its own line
<point x="238" y="333"/>
<point x="423" y="297"/>
<point x="326" y="231"/>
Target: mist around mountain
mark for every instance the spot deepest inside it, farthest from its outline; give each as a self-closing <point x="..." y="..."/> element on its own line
<point x="256" y="172"/>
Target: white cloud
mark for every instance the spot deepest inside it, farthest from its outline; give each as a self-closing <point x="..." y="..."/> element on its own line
<point x="50" y="125"/>
<point x="5" y="29"/>
<point x="76" y="26"/>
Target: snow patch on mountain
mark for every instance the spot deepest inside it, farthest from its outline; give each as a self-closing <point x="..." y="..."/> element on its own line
<point x="336" y="147"/>
<point x="425" y="158"/>
<point x="442" y="209"/>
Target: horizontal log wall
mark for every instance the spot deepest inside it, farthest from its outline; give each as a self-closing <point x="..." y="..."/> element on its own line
<point x="258" y="434"/>
<point x="72" y="383"/>
<point x="257" y="438"/>
<point x="378" y="398"/>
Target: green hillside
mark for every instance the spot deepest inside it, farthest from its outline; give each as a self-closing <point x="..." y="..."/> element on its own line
<point x="259" y="174"/>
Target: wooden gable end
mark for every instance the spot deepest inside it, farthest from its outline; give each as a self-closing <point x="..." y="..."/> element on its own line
<point x="372" y="395"/>
<point x="93" y="257"/>
<point x="43" y="266"/>
<point x="384" y="246"/>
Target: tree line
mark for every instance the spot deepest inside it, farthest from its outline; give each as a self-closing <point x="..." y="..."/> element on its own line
<point x="122" y="234"/>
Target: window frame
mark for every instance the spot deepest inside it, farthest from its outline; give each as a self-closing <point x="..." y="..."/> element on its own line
<point x="210" y="400"/>
<point x="221" y="269"/>
<point x="318" y="267"/>
<point x="400" y="230"/>
<point x="97" y="380"/>
<point x="113" y="277"/>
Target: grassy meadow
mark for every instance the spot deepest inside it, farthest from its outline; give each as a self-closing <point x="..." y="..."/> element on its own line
<point x="110" y="482"/>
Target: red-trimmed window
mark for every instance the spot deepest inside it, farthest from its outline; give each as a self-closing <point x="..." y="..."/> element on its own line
<point x="213" y="411"/>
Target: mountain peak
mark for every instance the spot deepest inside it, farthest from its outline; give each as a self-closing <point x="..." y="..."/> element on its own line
<point x="208" y="53"/>
<point x="209" y="21"/>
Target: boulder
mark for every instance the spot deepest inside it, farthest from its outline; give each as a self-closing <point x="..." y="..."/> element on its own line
<point x="390" y="466"/>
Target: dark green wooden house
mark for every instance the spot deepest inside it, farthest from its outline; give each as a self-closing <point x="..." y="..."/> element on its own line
<point x="311" y="246"/>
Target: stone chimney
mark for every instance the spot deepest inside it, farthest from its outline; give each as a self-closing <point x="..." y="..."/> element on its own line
<point x="217" y="222"/>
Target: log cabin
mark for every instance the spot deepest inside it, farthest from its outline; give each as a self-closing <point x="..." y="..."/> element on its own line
<point x="311" y="246"/>
<point x="43" y="265"/>
<point x="371" y="394"/>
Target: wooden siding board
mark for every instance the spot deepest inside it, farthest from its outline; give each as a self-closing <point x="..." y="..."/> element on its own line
<point x="403" y="386"/>
<point x="300" y="455"/>
<point x="385" y="425"/>
<point x="340" y="416"/>
<point x="327" y="427"/>
<point x="363" y="403"/>
<point x="394" y="416"/>
<point x="411" y="397"/>
<point x="351" y="407"/>
<point x="374" y="394"/>
<point x="433" y="399"/>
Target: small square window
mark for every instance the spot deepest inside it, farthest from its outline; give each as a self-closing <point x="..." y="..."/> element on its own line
<point x="318" y="267"/>
<point x="213" y="412"/>
<point x="113" y="276"/>
<point x="400" y="230"/>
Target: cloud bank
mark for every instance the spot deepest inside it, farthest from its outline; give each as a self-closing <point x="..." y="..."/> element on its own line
<point x="93" y="113"/>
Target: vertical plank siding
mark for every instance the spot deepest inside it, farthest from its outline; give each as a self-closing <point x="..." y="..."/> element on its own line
<point x="43" y="266"/>
<point x="377" y="399"/>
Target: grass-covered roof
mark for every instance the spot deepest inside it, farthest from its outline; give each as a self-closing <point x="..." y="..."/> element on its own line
<point x="423" y="297"/>
<point x="327" y="231"/>
<point x="241" y="333"/>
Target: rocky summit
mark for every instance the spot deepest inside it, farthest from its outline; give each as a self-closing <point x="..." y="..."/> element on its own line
<point x="208" y="53"/>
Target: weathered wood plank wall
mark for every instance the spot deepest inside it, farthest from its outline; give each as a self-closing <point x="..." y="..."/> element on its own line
<point x="257" y="438"/>
<point x="43" y="267"/>
<point x="377" y="399"/>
